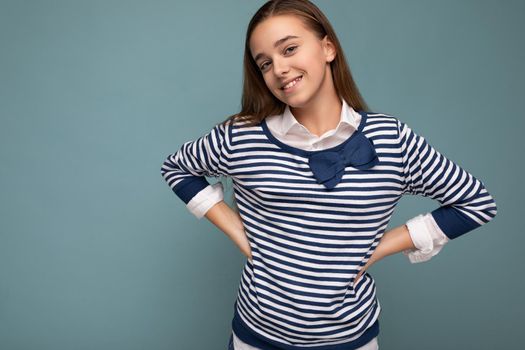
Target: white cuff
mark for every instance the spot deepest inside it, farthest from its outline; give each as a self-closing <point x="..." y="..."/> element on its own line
<point x="205" y="199"/>
<point x="427" y="237"/>
<point x="438" y="236"/>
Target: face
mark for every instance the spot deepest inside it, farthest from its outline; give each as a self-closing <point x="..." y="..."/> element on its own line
<point x="283" y="50"/>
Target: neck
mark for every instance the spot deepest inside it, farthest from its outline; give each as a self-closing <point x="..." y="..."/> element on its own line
<point x="323" y="112"/>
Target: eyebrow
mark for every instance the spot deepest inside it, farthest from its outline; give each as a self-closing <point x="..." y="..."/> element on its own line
<point x="277" y="43"/>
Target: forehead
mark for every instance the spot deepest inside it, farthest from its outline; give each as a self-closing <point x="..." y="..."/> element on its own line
<point x="274" y="28"/>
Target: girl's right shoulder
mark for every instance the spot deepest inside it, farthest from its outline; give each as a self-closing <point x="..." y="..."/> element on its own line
<point x="239" y="126"/>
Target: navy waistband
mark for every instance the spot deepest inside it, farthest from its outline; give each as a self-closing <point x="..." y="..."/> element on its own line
<point x="244" y="333"/>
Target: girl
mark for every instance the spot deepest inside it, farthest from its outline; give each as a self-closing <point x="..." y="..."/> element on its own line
<point x="316" y="178"/>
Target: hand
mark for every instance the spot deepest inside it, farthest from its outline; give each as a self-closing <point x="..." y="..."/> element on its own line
<point x="363" y="269"/>
<point x="376" y="256"/>
<point x="393" y="241"/>
<point x="246" y="248"/>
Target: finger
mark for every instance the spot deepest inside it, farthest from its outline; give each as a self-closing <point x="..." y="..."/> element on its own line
<point x="358" y="277"/>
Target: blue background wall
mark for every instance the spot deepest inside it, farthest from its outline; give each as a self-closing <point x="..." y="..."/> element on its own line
<point x="96" y="252"/>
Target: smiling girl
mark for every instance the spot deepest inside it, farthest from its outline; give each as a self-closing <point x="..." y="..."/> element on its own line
<point x="316" y="179"/>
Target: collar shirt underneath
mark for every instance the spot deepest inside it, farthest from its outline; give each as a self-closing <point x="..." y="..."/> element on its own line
<point x="289" y="131"/>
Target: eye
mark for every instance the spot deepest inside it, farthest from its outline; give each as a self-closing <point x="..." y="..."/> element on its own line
<point x="263" y="66"/>
<point x="291" y="47"/>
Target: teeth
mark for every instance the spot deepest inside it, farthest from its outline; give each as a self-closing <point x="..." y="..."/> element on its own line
<point x="292" y="83"/>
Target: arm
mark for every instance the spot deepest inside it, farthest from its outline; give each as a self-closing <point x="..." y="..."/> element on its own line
<point x="393" y="241"/>
<point x="427" y="237"/>
<point x="210" y="203"/>
<point x="227" y="220"/>
<point x="464" y="201"/>
<point x="185" y="172"/>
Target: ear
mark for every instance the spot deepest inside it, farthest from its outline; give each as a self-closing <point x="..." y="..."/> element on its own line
<point x="329" y="49"/>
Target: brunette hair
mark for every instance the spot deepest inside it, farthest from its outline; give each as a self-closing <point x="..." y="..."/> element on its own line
<point x="257" y="100"/>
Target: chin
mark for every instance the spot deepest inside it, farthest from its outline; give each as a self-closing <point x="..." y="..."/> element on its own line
<point x="296" y="101"/>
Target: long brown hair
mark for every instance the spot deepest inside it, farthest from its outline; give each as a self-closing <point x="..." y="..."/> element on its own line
<point x="257" y="100"/>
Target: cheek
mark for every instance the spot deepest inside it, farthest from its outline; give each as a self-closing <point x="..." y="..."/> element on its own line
<point x="268" y="82"/>
<point x="270" y="85"/>
<point x="315" y="64"/>
<point x="309" y="64"/>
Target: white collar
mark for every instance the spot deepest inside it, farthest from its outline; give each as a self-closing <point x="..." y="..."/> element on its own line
<point x="287" y="120"/>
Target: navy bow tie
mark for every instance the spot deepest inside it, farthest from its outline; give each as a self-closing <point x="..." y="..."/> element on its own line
<point x="329" y="166"/>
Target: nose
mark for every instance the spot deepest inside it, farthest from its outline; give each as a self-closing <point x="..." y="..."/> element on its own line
<point x="280" y="67"/>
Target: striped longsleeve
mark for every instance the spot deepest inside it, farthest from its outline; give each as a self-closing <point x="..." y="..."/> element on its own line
<point x="465" y="202"/>
<point x="309" y="242"/>
<point x="186" y="170"/>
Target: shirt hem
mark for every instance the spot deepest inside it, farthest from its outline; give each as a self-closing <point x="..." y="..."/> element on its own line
<point x="243" y="332"/>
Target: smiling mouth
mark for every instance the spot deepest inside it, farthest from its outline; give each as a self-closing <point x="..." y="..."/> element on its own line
<point x="292" y="83"/>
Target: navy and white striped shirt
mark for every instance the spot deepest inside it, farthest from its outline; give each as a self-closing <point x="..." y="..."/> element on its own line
<point x="309" y="242"/>
<point x="426" y="235"/>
